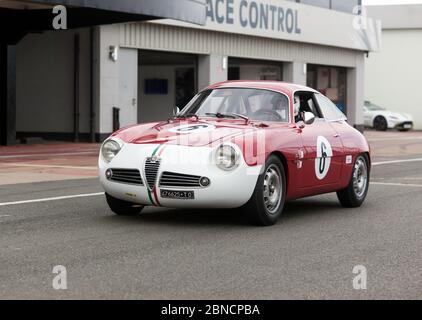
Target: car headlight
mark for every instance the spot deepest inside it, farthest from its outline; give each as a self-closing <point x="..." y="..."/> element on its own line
<point x="227" y="157"/>
<point x="110" y="149"/>
<point x="394" y="118"/>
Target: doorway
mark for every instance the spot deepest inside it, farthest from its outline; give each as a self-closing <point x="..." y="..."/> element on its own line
<point x="331" y="82"/>
<point x="166" y="80"/>
<point x="247" y="69"/>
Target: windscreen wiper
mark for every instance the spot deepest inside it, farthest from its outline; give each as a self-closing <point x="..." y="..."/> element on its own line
<point x="241" y="116"/>
<point x="228" y="115"/>
<point x="219" y="115"/>
<point x="183" y="116"/>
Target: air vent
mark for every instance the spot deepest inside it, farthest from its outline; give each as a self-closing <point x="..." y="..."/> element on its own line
<point x="171" y="179"/>
<point x="129" y="176"/>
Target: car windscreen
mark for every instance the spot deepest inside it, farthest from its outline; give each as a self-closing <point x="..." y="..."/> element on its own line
<point x="373" y="107"/>
<point x="256" y="104"/>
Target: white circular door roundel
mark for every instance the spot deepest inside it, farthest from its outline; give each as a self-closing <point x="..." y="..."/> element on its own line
<point x="323" y="158"/>
<point x="193" y="128"/>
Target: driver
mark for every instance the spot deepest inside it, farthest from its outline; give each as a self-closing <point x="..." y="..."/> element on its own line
<point x="296" y="108"/>
<point x="280" y="107"/>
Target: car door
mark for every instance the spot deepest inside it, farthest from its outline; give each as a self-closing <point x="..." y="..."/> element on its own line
<point x="323" y="148"/>
<point x="367" y="117"/>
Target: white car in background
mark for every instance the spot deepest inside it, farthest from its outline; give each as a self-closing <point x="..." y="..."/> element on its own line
<point x="381" y="119"/>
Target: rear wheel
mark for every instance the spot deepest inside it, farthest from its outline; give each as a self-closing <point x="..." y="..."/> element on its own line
<point x="267" y="202"/>
<point x="123" y="208"/>
<point x="380" y="123"/>
<point x="355" y="193"/>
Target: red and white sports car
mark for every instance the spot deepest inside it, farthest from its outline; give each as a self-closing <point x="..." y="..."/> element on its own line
<point x="244" y="144"/>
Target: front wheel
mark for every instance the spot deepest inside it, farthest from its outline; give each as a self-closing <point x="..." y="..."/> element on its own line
<point x="123" y="208"/>
<point x="355" y="193"/>
<point x="267" y="202"/>
<point x="380" y="123"/>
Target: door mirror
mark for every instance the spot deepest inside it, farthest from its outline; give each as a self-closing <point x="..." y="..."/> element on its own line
<point x="176" y="110"/>
<point x="308" y="118"/>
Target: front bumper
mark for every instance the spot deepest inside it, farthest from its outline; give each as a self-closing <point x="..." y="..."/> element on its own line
<point x="227" y="189"/>
<point x="400" y="124"/>
<point x="407" y="125"/>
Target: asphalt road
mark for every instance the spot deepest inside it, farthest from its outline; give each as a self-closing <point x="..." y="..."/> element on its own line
<point x="181" y="254"/>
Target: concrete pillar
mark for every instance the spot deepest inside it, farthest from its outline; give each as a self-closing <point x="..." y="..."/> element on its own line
<point x="294" y="72"/>
<point x="7" y="94"/>
<point x="107" y="73"/>
<point x="211" y="69"/>
<point x="355" y="93"/>
<point x="116" y="87"/>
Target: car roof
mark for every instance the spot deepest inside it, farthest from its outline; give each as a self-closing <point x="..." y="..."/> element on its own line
<point x="284" y="87"/>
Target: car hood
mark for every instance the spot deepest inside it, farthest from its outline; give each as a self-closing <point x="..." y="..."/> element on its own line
<point x="186" y="133"/>
<point x="398" y="115"/>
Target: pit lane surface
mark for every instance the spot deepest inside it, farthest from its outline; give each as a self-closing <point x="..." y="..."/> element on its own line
<point x="182" y="254"/>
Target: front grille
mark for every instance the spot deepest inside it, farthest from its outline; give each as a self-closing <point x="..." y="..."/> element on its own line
<point x="130" y="176"/>
<point x="171" y="179"/>
<point x="151" y="172"/>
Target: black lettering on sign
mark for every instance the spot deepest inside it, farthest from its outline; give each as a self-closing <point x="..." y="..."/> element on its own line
<point x="254" y="14"/>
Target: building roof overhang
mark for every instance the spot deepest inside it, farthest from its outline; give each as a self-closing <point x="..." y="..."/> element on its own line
<point x="20" y="17"/>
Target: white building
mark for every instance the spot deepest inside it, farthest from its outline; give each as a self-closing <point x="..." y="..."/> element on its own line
<point x="120" y="74"/>
<point x="394" y="75"/>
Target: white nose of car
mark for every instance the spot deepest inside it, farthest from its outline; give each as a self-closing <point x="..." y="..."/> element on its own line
<point x="381" y="119"/>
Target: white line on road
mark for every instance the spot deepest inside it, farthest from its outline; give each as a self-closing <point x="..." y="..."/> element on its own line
<point x="394" y="138"/>
<point x="49" y="154"/>
<point x="396" y="161"/>
<point x="5" y="216"/>
<point x="52" y="199"/>
<point x="49" y="166"/>
<point x="397" y="184"/>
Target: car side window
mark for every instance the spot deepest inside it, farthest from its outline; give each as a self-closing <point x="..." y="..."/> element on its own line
<point x="329" y="109"/>
<point x="304" y="102"/>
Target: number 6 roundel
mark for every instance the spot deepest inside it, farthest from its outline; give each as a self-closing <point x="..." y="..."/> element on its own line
<point x="323" y="157"/>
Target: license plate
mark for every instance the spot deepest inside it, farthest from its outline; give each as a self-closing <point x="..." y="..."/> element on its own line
<point x="180" y="195"/>
<point x="407" y="126"/>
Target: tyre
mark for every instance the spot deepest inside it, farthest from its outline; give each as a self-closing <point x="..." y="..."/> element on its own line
<point x="380" y="123"/>
<point x="123" y="208"/>
<point x="267" y="202"/>
<point x="355" y="193"/>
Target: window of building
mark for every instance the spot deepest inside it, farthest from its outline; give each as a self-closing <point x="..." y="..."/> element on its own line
<point x="331" y="82"/>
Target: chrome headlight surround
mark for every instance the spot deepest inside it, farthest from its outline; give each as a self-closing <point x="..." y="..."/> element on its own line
<point x="110" y="149"/>
<point x="227" y="157"/>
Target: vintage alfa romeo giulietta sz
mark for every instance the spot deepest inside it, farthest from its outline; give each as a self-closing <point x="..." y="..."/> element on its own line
<point x="240" y="144"/>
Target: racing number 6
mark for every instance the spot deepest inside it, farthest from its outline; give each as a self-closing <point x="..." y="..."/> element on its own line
<point x="324" y="155"/>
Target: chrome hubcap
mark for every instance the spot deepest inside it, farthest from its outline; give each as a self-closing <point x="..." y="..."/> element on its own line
<point x="360" y="177"/>
<point x="272" y="189"/>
